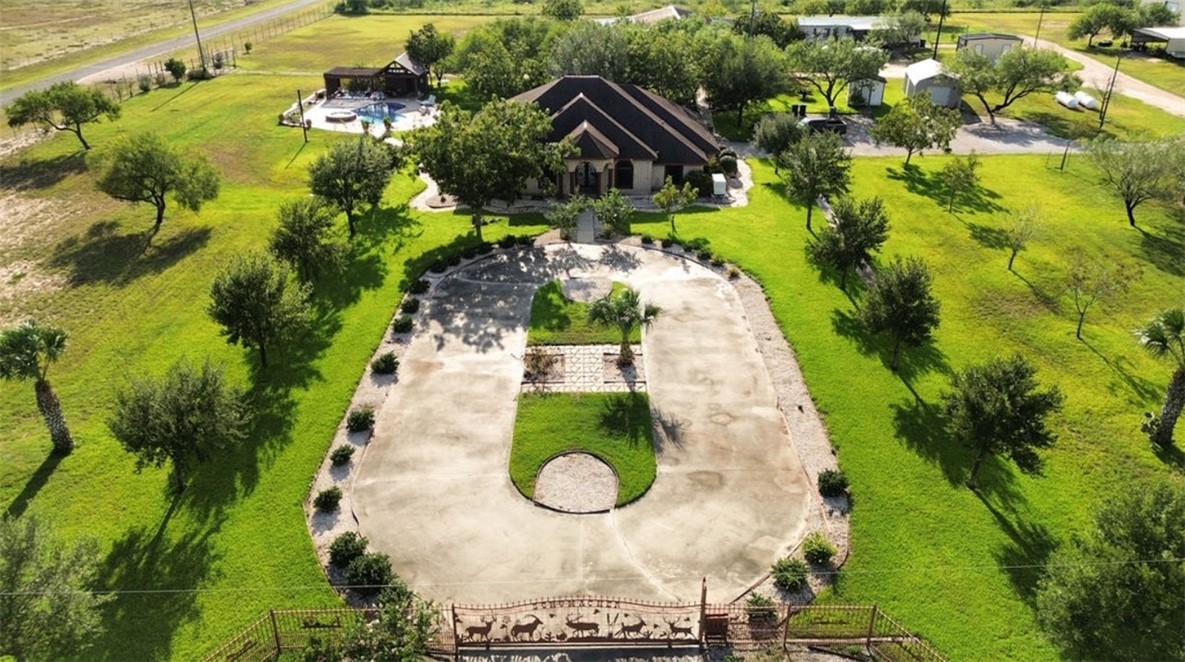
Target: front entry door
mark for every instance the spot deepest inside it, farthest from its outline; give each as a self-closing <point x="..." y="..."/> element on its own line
<point x="588" y="180"/>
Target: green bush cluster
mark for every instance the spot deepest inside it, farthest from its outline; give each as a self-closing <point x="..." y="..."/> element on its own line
<point x="385" y="364"/>
<point x="345" y="548"/>
<point x="832" y="482"/>
<point x="403" y="324"/>
<point x="790" y="574"/>
<point x="328" y="500"/>
<point x="817" y="550"/>
<point x="369" y="573"/>
<point x="419" y="286"/>
<point x="341" y="455"/>
<point x="410" y="307"/>
<point x="360" y="420"/>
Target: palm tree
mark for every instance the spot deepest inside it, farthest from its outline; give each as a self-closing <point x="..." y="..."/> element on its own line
<point x="627" y="313"/>
<point x="26" y="353"/>
<point x="1164" y="336"/>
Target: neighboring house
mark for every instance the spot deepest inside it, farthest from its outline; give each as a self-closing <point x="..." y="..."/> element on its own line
<point x="871" y="91"/>
<point x="844" y="27"/>
<point x="989" y="43"/>
<point x="668" y="13"/>
<point x="628" y="138"/>
<point x="1172" y="37"/>
<point x="403" y="76"/>
<point x="930" y="77"/>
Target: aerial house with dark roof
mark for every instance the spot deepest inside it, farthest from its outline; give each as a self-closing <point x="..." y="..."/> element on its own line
<point x="403" y="76"/>
<point x="628" y="138"/>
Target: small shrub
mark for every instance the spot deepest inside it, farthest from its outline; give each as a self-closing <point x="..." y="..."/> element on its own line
<point x="469" y="252"/>
<point x="704" y="255"/>
<point x="160" y="79"/>
<point x="419" y="286"/>
<point x="733" y="273"/>
<point x="403" y="324"/>
<point x="341" y="455"/>
<point x="701" y="181"/>
<point x="525" y="240"/>
<point x="145" y="82"/>
<point x="410" y="306"/>
<point x="729" y="165"/>
<point x="369" y="573"/>
<point x="832" y="482"/>
<point x="438" y="266"/>
<point x="484" y="248"/>
<point x="817" y="550"/>
<point x="790" y="574"/>
<point x="247" y="47"/>
<point x="760" y="609"/>
<point x="328" y="500"/>
<point x="506" y="242"/>
<point x="385" y="364"/>
<point x="727" y="152"/>
<point x="455" y="259"/>
<point x="647" y="240"/>
<point x="345" y="548"/>
<point x="360" y="420"/>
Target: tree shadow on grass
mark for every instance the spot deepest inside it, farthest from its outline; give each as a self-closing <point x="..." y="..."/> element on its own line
<point x="1172" y="456"/>
<point x="548" y="309"/>
<point x="913" y="362"/>
<point x="921" y="426"/>
<point x="1029" y="546"/>
<point x="34" y="485"/>
<point x="929" y="184"/>
<point x="140" y="623"/>
<point x="1142" y="389"/>
<point x="384" y="224"/>
<point x="27" y="175"/>
<point x="987" y="236"/>
<point x="1165" y="251"/>
<point x="627" y="415"/>
<point x="362" y="268"/>
<point x="101" y="256"/>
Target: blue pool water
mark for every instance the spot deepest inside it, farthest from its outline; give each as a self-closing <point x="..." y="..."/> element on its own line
<point x="375" y="113"/>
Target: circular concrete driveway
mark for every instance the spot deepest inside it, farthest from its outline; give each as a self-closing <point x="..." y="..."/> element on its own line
<point x="433" y="490"/>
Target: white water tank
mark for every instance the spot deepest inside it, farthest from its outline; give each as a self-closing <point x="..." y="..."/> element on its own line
<point x="1086" y="101"/>
<point x="1066" y="99"/>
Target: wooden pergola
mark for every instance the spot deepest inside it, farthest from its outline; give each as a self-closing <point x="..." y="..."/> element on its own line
<point x="403" y="76"/>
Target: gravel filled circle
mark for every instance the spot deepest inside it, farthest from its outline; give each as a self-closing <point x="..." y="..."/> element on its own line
<point x="576" y="483"/>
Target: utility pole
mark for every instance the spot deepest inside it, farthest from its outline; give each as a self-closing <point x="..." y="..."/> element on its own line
<point x="938" y="36"/>
<point x="201" y="53"/>
<point x="1039" y="20"/>
<point x="1110" y="91"/>
<point x="303" y="124"/>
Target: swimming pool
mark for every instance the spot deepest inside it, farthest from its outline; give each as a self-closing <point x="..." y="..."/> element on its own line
<point x="375" y="113"/>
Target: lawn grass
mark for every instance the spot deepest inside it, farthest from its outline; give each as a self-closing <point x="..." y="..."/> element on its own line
<point x="615" y="427"/>
<point x="235" y="544"/>
<point x="950" y="564"/>
<point x="557" y="320"/>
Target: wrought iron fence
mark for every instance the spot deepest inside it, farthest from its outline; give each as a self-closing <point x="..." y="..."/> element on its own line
<point x="568" y="622"/>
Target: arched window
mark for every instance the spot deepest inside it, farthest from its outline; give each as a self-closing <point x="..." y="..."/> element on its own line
<point x="623" y="175"/>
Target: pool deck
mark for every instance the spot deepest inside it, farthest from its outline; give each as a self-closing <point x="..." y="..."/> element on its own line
<point x="413" y="116"/>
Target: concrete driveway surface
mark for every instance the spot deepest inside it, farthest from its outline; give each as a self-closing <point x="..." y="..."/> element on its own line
<point x="432" y="489"/>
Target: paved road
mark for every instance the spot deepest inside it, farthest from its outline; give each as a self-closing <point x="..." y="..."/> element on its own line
<point x="432" y="488"/>
<point x="1097" y="74"/>
<point x="158" y="49"/>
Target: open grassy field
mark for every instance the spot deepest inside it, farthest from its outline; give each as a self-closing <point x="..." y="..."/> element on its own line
<point x="235" y="543"/>
<point x="1167" y="74"/>
<point x="557" y="320"/>
<point x="953" y="565"/>
<point x="615" y="427"/>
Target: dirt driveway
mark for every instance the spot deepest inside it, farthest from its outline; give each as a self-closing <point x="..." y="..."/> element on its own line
<point x="432" y="489"/>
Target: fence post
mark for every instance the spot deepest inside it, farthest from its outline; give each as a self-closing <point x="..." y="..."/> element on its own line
<point x="456" y="640"/>
<point x="275" y="630"/>
<point x="703" y="611"/>
<point x="871" y="626"/>
<point x="786" y="630"/>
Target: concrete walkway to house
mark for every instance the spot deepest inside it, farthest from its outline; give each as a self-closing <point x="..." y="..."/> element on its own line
<point x="432" y="488"/>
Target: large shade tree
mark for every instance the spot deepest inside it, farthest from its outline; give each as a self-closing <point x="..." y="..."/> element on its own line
<point x="738" y="71"/>
<point x="1014" y="76"/>
<point x="1164" y="337"/>
<point x="902" y="304"/>
<point x="351" y="175"/>
<point x="1115" y="592"/>
<point x="916" y="125"/>
<point x="490" y="155"/>
<point x="26" y="352"/>
<point x="830" y="65"/>
<point x="815" y="167"/>
<point x="996" y="409"/>
<point x="182" y="419"/>
<point x="626" y="312"/>
<point x="257" y="303"/>
<point x="431" y="48"/>
<point x="1140" y="170"/>
<point x="304" y="238"/>
<point x="144" y="168"/>
<point x="48" y="608"/>
<point x="663" y="61"/>
<point x="592" y="49"/>
<point x="857" y="230"/>
<point x="63" y="107"/>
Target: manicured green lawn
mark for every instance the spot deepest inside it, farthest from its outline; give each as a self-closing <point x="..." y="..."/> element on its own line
<point x="615" y="427"/>
<point x="198" y="568"/>
<point x="953" y="565"/>
<point x="1127" y="118"/>
<point x="557" y="320"/>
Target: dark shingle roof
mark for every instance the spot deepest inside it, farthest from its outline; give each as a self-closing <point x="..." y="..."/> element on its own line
<point x="640" y="123"/>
